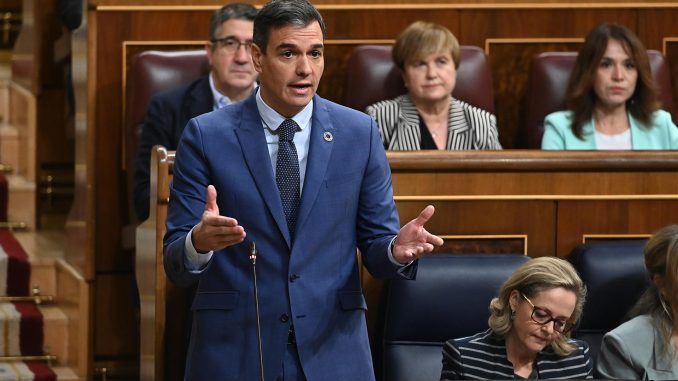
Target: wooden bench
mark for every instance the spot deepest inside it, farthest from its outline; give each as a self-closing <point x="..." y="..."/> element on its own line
<point x="162" y="340"/>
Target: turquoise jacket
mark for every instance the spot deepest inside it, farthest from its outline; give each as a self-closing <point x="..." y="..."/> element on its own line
<point x="662" y="134"/>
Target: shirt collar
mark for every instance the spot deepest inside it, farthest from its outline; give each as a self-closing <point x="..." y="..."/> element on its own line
<point x="272" y="119"/>
<point x="220" y="100"/>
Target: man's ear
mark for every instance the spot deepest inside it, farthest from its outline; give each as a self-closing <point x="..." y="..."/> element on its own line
<point x="256" y="57"/>
<point x="208" y="50"/>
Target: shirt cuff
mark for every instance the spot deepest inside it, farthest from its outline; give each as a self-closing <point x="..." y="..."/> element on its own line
<point x="195" y="262"/>
<point x="390" y="254"/>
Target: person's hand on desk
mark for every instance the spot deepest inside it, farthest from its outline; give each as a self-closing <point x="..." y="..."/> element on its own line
<point x="214" y="231"/>
<point x="413" y="240"/>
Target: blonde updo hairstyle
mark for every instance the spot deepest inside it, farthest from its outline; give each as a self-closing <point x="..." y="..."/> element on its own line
<point x="537" y="275"/>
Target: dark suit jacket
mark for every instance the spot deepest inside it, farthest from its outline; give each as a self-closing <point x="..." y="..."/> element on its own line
<point x="167" y="115"/>
<point x="312" y="281"/>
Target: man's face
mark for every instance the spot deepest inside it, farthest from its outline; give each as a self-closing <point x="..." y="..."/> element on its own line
<point x="291" y="67"/>
<point x="231" y="58"/>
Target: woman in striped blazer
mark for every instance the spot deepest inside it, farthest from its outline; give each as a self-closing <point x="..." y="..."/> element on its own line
<point x="529" y="329"/>
<point x="427" y="117"/>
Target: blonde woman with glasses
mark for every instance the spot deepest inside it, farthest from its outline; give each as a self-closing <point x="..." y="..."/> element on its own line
<point x="645" y="347"/>
<point x="530" y="322"/>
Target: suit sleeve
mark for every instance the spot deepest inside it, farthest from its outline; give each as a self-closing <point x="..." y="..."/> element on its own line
<point x="552" y="138"/>
<point x="187" y="204"/>
<point x="452" y="366"/>
<point x="378" y="221"/>
<point x="614" y="361"/>
<point x="156" y="130"/>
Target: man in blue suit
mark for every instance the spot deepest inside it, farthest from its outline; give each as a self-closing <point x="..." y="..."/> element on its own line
<point x="232" y="78"/>
<point x="307" y="181"/>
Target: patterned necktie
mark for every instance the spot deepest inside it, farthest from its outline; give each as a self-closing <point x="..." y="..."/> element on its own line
<point x="287" y="173"/>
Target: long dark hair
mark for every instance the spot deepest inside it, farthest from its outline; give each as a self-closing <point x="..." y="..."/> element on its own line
<point x="661" y="258"/>
<point x="581" y="97"/>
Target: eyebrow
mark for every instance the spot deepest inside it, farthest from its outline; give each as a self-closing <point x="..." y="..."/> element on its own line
<point x="551" y="313"/>
<point x="286" y="45"/>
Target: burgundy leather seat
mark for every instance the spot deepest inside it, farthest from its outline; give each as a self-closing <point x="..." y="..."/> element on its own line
<point x="371" y="76"/>
<point x="548" y="84"/>
<point x="152" y="72"/>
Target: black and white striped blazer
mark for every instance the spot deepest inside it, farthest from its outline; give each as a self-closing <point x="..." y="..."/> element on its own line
<point x="483" y="357"/>
<point x="469" y="127"/>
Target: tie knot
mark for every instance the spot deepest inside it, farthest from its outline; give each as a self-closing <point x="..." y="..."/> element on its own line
<point x="287" y="129"/>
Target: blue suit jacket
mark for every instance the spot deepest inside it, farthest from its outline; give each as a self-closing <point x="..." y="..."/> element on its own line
<point x="347" y="201"/>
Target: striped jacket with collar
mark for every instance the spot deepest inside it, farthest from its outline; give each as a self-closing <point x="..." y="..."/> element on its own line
<point x="469" y="127"/>
<point x="483" y="357"/>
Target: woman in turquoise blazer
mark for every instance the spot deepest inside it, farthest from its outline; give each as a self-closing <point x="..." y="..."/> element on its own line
<point x="611" y="98"/>
<point x="660" y="134"/>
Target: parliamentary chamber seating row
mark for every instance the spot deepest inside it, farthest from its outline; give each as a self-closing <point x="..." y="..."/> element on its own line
<point x="154" y="71"/>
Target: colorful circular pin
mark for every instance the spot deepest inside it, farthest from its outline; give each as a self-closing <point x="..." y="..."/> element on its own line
<point x="328" y="136"/>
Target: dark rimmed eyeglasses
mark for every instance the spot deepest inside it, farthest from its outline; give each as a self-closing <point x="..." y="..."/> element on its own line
<point x="543" y="317"/>
<point x="232" y="44"/>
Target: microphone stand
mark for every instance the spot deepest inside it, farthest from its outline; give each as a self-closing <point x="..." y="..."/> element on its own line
<point x="253" y="259"/>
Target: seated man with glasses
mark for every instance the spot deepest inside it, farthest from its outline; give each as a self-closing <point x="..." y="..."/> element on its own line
<point x="231" y="79"/>
<point x="529" y="323"/>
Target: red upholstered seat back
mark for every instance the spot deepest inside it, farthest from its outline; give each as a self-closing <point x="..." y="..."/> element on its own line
<point x="371" y="76"/>
<point x="548" y="84"/>
<point x="152" y="72"/>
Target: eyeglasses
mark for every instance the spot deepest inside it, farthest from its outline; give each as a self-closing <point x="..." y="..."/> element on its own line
<point x="232" y="44"/>
<point x="543" y="317"/>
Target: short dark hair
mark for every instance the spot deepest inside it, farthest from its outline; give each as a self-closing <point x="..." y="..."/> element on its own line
<point x="236" y="11"/>
<point x="581" y="96"/>
<point x="280" y="13"/>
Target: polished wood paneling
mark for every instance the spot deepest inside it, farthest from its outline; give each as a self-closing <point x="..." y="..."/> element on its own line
<point x="495" y="217"/>
<point x="615" y="217"/>
<point x="74" y="298"/>
<point x="116" y="320"/>
<point x="356" y="4"/>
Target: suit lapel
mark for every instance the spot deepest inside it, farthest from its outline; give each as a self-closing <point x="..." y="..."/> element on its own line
<point x="407" y="136"/>
<point x="457" y="127"/>
<point x="200" y="100"/>
<point x="319" y="152"/>
<point x="662" y="361"/>
<point x="253" y="143"/>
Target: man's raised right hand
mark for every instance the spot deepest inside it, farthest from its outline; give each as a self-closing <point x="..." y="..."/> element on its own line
<point x="215" y="232"/>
